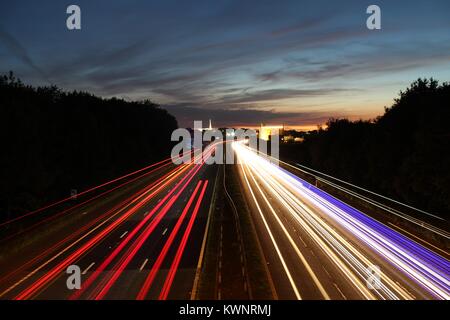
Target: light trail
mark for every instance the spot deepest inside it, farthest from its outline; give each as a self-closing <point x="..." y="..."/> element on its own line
<point x="86" y="284"/>
<point x="174" y="267"/>
<point x="314" y="210"/>
<point x="369" y="191"/>
<point x="325" y="245"/>
<point x="57" y="215"/>
<point x="409" y="218"/>
<point x="54" y="272"/>
<point x="49" y="265"/>
<point x="142" y="238"/>
<point x="103" y="288"/>
<point x="155" y="268"/>
<point x="417" y="222"/>
<point x="103" y="219"/>
<point x="83" y="192"/>
<point x="272" y="238"/>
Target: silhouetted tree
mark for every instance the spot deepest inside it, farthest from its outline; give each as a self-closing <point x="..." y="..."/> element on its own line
<point x="403" y="153"/>
<point x="53" y="141"/>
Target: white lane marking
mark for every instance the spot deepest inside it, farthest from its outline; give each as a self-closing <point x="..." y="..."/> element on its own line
<point x="71" y="245"/>
<point x="304" y="243"/>
<point x="164" y="232"/>
<point x="342" y="294"/>
<point x="143" y="265"/>
<point x="145" y="213"/>
<point x="123" y="235"/>
<point x="326" y="271"/>
<point x="83" y="213"/>
<point x="280" y="256"/>
<point x="87" y="269"/>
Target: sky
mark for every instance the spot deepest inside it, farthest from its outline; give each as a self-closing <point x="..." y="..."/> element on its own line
<point x="239" y="63"/>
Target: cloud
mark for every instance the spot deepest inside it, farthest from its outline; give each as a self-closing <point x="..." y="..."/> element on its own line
<point x="221" y="117"/>
<point x="368" y="64"/>
<point x="277" y="95"/>
<point x="14" y="46"/>
<point x="237" y="59"/>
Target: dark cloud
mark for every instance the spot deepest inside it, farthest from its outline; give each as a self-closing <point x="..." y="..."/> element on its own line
<point x="186" y="114"/>
<point x="233" y="59"/>
<point x="300" y="26"/>
<point x="277" y="94"/>
<point x="371" y="63"/>
<point x="14" y="46"/>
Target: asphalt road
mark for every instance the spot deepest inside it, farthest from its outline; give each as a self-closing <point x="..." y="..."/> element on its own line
<point x="120" y="242"/>
<point x="141" y="238"/>
<point x="319" y="248"/>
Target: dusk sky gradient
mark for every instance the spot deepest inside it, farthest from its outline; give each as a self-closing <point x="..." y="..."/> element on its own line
<point x="244" y="62"/>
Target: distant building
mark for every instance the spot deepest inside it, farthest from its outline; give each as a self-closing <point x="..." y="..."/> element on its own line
<point x="207" y="128"/>
<point x="266" y="131"/>
<point x="290" y="138"/>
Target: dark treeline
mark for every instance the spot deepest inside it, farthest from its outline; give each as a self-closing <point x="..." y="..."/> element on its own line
<point x="54" y="141"/>
<point x="404" y="153"/>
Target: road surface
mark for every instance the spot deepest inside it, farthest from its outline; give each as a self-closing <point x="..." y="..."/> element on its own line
<point x="141" y="241"/>
<point x="317" y="247"/>
<point x="142" y="236"/>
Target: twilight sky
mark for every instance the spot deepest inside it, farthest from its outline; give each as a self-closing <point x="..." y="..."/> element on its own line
<point x="238" y="62"/>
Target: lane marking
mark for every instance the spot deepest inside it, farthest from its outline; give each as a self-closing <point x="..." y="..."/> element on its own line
<point x="239" y="235"/>
<point x="143" y="265"/>
<point x="87" y="269"/>
<point x="164" y="232"/>
<point x="280" y="256"/>
<point x="132" y="201"/>
<point x="343" y="296"/>
<point x="123" y="235"/>
<point x="293" y="244"/>
<point x="326" y="271"/>
<point x="301" y="239"/>
<point x="205" y="236"/>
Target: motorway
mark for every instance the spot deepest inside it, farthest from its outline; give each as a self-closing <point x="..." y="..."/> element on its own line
<point x="142" y="236"/>
<point x="139" y="241"/>
<point x="317" y="247"/>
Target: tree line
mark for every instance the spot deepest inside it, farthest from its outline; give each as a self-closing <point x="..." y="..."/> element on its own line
<point x="405" y="153"/>
<point x="53" y="141"/>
